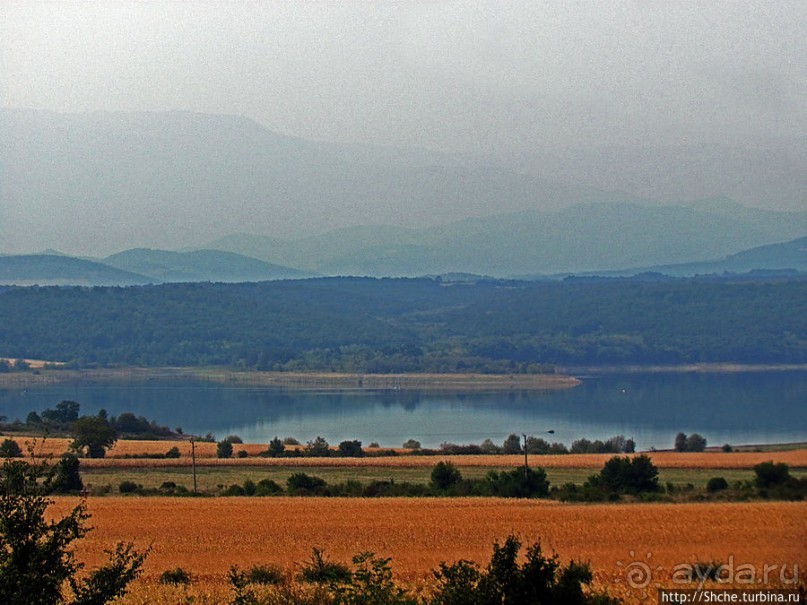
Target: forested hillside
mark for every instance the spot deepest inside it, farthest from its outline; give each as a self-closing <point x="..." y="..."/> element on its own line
<point x="388" y="325"/>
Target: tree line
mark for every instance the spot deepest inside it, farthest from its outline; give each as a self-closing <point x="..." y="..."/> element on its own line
<point x="408" y="325"/>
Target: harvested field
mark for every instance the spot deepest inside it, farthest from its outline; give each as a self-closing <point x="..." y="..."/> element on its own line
<point x="206" y="536"/>
<point x="206" y="456"/>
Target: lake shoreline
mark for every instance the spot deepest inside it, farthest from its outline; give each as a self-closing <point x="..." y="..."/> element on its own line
<point x="567" y="377"/>
<point x="301" y="380"/>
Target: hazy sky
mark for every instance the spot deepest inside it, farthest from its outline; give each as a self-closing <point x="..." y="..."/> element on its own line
<point x="481" y="76"/>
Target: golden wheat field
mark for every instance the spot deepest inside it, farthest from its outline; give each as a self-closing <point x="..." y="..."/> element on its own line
<point x="206" y="536"/>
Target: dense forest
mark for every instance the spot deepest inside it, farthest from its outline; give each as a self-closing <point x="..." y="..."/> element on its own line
<point x="395" y="325"/>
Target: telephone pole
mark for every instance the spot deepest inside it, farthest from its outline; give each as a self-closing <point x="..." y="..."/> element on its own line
<point x="193" y="464"/>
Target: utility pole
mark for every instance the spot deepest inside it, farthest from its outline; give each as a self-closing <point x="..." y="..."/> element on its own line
<point x="526" y="463"/>
<point x="193" y="464"/>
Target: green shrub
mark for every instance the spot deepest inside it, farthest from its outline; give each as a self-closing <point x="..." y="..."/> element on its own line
<point x="264" y="574"/>
<point x="234" y="490"/>
<point x="518" y="483"/>
<point x="716" y="484"/>
<point x="275" y="449"/>
<point x="172" y="453"/>
<point x="37" y="557"/>
<point x="128" y="487"/>
<point x="539" y="579"/>
<point x="695" y="443"/>
<point x="370" y="584"/>
<point x="267" y="487"/>
<point x="444" y="475"/>
<point x="10" y="449"/>
<point x="302" y="483"/>
<point x="318" y="448"/>
<point x="769" y="474"/>
<point x="176" y="577"/>
<point x="224" y="449"/>
<point x="242" y="454"/>
<point x="350" y="449"/>
<point x="319" y="570"/>
<point x="625" y="475"/>
<point x="244" y="595"/>
<point x="67" y="479"/>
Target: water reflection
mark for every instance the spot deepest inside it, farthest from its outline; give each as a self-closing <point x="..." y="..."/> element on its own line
<point x="726" y="408"/>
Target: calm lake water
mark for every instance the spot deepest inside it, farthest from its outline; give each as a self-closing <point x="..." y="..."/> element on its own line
<point x="766" y="407"/>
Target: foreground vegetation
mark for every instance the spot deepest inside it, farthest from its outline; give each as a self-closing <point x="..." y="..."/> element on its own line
<point x="248" y="550"/>
<point x="409" y="325"/>
<point x="205" y="537"/>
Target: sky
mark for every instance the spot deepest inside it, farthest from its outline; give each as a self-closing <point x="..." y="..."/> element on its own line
<point x="488" y="77"/>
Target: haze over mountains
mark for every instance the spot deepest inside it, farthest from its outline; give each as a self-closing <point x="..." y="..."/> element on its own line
<point x="94" y="184"/>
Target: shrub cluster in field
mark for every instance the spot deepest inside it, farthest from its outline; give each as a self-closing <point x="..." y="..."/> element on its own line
<point x="509" y="578"/>
<point x="446" y="480"/>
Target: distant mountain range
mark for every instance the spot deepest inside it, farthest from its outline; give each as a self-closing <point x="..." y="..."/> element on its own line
<point x="787" y="256"/>
<point x="210" y="184"/>
<point x="96" y="183"/>
<point x="199" y="265"/>
<point x="139" y="267"/>
<point x="144" y="266"/>
<point x="584" y="238"/>
<point x="106" y="181"/>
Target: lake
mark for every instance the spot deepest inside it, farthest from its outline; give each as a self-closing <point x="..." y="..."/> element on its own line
<point x="735" y="408"/>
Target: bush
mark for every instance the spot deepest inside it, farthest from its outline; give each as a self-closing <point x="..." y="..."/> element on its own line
<point x="412" y="444"/>
<point x="276" y="448"/>
<point x="318" y="448"/>
<point x="264" y="574"/>
<point x="350" y="449"/>
<point x="267" y="487"/>
<point x="695" y="443"/>
<point x="175" y="577"/>
<point x="716" y="484"/>
<point x="37" y="555"/>
<point x="127" y="487"/>
<point x="172" y="453"/>
<point x="371" y="584"/>
<point x="539" y="579"/>
<point x="302" y="483"/>
<point x="444" y="475"/>
<point x="624" y="475"/>
<point x="319" y="570"/>
<point x="242" y="454"/>
<point x="512" y="445"/>
<point x="94" y="435"/>
<point x="224" y="449"/>
<point x="769" y="474"/>
<point x="67" y="478"/>
<point x="234" y="490"/>
<point x="10" y="449"/>
<point x="518" y="483"/>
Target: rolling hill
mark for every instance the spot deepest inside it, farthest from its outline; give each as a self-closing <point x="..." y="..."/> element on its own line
<point x="584" y="238"/>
